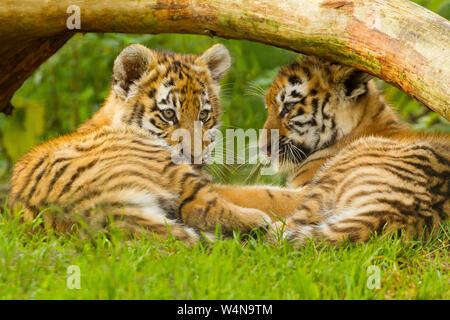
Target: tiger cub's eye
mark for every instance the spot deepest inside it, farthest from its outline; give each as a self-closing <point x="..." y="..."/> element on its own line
<point x="290" y="105"/>
<point x="203" y="115"/>
<point x="168" y="114"/>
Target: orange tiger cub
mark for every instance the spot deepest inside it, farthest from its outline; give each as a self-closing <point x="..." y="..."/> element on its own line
<point x="360" y="168"/>
<point x="117" y="168"/>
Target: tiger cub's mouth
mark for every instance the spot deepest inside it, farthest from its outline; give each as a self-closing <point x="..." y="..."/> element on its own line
<point x="292" y="152"/>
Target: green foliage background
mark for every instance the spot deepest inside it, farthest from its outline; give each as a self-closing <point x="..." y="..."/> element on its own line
<point x="71" y="85"/>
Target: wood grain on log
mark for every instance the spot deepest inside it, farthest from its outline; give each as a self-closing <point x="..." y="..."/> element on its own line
<point x="395" y="40"/>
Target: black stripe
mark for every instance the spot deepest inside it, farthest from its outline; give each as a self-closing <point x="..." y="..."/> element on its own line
<point x="311" y="122"/>
<point x="188" y="175"/>
<point x="294" y="80"/>
<point x="57" y="175"/>
<point x="384" y="156"/>
<point x="315" y="104"/>
<point x="106" y="169"/>
<point x="304" y="207"/>
<point x="151" y="93"/>
<point x="92" y="193"/>
<point x="91" y="147"/>
<point x="380" y="109"/>
<point x="133" y="114"/>
<point x="324" y="103"/>
<point x="30" y="174"/>
<point x="144" y="144"/>
<point x="36" y="182"/>
<point x="399" y="175"/>
<point x="403" y="208"/>
<point x="346" y="185"/>
<point x="336" y="229"/>
<point x="134" y="173"/>
<point x="438" y="157"/>
<point x="130" y="148"/>
<point x="365" y="223"/>
<point x="300" y="133"/>
<point x="299" y="222"/>
<point x="160" y="118"/>
<point x="429" y="170"/>
<point x="383" y="183"/>
<point x="222" y="211"/>
<point x="168" y="165"/>
<point x="315" y="196"/>
<point x="401" y="169"/>
<point x="209" y="204"/>
<point x="140" y="114"/>
<point x="296" y="94"/>
<point x="378" y="213"/>
<point x="197" y="188"/>
<point x="56" y="161"/>
<point x="307" y="161"/>
<point x="307" y="72"/>
<point x="153" y="122"/>
<point x="387" y="167"/>
<point x="75" y="176"/>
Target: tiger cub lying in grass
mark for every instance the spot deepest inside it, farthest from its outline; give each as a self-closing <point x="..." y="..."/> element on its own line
<point x="117" y="168"/>
<point x="361" y="169"/>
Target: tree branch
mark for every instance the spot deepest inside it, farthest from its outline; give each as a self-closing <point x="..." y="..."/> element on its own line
<point x="395" y="40"/>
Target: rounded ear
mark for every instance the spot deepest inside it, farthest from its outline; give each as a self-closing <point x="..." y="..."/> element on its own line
<point x="354" y="81"/>
<point x="218" y="60"/>
<point x="130" y="65"/>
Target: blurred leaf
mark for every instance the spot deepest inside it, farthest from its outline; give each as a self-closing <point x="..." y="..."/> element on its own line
<point x="444" y="10"/>
<point x="19" y="137"/>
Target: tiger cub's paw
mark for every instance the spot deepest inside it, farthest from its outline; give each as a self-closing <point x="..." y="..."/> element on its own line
<point x="250" y="218"/>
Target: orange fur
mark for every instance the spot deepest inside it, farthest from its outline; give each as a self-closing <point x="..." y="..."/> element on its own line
<point x="117" y="168"/>
<point x="361" y="168"/>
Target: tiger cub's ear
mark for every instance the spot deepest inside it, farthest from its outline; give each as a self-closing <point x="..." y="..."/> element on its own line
<point x="218" y="60"/>
<point x="130" y="65"/>
<point x="354" y="81"/>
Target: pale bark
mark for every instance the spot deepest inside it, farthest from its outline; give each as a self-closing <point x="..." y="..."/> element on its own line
<point x="395" y="40"/>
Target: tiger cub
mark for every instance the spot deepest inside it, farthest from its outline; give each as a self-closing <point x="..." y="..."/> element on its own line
<point x="360" y="168"/>
<point x="117" y="168"/>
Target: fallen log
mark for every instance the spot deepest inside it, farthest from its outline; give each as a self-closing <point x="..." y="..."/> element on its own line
<point x="395" y="40"/>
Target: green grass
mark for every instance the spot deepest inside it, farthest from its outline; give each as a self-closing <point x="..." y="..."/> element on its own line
<point x="34" y="266"/>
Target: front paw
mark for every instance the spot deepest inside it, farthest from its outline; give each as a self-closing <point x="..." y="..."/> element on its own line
<point x="252" y="219"/>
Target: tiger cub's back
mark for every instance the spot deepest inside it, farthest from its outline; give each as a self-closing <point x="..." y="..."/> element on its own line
<point x="106" y="167"/>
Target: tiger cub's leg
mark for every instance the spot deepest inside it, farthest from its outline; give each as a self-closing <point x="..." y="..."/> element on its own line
<point x="278" y="202"/>
<point x="352" y="224"/>
<point x="139" y="226"/>
<point x="202" y="207"/>
<point x="307" y="214"/>
<point x="323" y="217"/>
<point x="136" y="221"/>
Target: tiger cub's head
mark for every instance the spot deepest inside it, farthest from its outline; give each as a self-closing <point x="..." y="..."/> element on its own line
<point x="313" y="103"/>
<point x="164" y="91"/>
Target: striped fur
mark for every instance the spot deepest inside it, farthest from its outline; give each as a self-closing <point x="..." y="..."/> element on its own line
<point x="360" y="168"/>
<point x="117" y="168"/>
